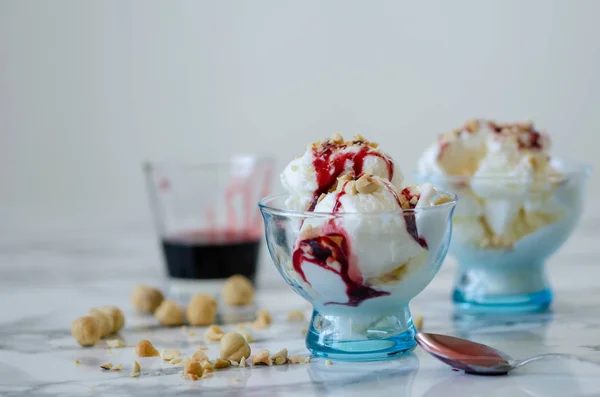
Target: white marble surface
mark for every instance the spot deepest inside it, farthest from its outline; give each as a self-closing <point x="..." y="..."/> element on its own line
<point x="48" y="279"/>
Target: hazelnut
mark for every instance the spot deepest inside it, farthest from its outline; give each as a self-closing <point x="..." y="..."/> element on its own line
<point x="214" y="333"/>
<point x="193" y="368"/>
<point x="220" y="363"/>
<point x="262" y="358"/>
<point x="145" y="349"/>
<point x="238" y="291"/>
<point x="105" y="322"/>
<point x="201" y="310"/>
<point x="146" y="299"/>
<point x="359" y="138"/>
<point x="169" y="313"/>
<point x="280" y="357"/>
<point x="117" y="316"/>
<point x="263" y="319"/>
<point x="86" y="330"/>
<point x="234" y="347"/>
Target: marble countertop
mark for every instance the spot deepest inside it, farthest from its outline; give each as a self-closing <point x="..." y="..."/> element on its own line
<point x="48" y="279"/>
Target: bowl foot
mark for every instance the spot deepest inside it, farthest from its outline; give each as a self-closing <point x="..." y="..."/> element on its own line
<point x="362" y="338"/>
<point x="521" y="303"/>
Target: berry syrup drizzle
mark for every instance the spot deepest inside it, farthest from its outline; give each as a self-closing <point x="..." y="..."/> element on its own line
<point x="329" y="165"/>
<point x="330" y="248"/>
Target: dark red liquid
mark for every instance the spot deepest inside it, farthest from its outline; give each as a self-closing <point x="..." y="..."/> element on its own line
<point x="203" y="255"/>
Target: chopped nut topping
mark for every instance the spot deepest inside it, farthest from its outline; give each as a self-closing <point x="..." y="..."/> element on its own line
<point x="168" y="355"/>
<point x="295" y="359"/>
<point x="145" y="349"/>
<point x="220" y="363"/>
<point x="337" y="138"/>
<point x="328" y="363"/>
<point x="106" y="366"/>
<point x="374" y="145"/>
<point x="350" y="188"/>
<point x="367" y="185"/>
<point x="280" y="357"/>
<point x="443" y="199"/>
<point x="243" y="362"/>
<point x="262" y="358"/>
<point x="115" y="343"/>
<point x="296" y="315"/>
<point x="472" y="125"/>
<point x="414" y="200"/>
<point x="418" y="322"/>
<point x="359" y="138"/>
<point x="214" y="333"/>
<point x="263" y="319"/>
<point x="117" y="367"/>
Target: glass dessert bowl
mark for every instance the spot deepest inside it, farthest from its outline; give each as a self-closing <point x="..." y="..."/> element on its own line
<point x="516" y="207"/>
<point x="356" y="244"/>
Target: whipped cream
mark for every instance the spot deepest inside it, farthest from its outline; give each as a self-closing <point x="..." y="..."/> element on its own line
<point x="509" y="179"/>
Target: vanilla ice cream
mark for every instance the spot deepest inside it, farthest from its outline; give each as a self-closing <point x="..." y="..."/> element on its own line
<point x="504" y="178"/>
<point x="375" y="244"/>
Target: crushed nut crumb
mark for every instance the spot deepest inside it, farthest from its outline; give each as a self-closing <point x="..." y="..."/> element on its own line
<point x="202" y="347"/>
<point x="199" y="356"/>
<point x="106" y="366"/>
<point x="243" y="362"/>
<point x="134" y="374"/>
<point x="296" y="315"/>
<point x="220" y="363"/>
<point x="262" y="358"/>
<point x="175" y="361"/>
<point x="280" y="357"/>
<point x="295" y="359"/>
<point x="77" y="362"/>
<point x="234" y="363"/>
<point x="168" y="355"/>
<point x="115" y="343"/>
<point x="214" y="333"/>
<point x="117" y="367"/>
<point x="263" y="319"/>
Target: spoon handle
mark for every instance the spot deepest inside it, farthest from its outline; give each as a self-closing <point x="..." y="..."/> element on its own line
<point x="554" y="355"/>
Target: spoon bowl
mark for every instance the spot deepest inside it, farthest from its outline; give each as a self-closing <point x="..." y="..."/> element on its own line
<point x="476" y="358"/>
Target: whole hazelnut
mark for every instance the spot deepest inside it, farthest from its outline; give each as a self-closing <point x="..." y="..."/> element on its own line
<point x="234" y="347"/>
<point x="169" y="313"/>
<point x="105" y="322"/>
<point x="238" y="291"/>
<point x="117" y="316"/>
<point x="145" y="349"/>
<point x="86" y="330"/>
<point x="201" y="310"/>
<point x="146" y="299"/>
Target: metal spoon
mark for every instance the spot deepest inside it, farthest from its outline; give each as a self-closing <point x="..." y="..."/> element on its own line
<point x="477" y="359"/>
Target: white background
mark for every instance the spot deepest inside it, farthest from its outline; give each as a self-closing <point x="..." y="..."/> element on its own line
<point x="90" y="89"/>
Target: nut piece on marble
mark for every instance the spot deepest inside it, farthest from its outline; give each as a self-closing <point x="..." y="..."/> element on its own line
<point x="238" y="291"/>
<point x="214" y="333"/>
<point x="145" y="349"/>
<point x="295" y="359"/>
<point x="243" y="362"/>
<point x="117" y="316"/>
<point x="199" y="356"/>
<point x="234" y="347"/>
<point x="168" y="355"/>
<point x="106" y="366"/>
<point x="280" y="357"/>
<point x="115" y="343"/>
<point x="220" y="363"/>
<point x="169" y="313"/>
<point x="105" y="322"/>
<point x="86" y="330"/>
<point x="146" y="299"/>
<point x="263" y="319"/>
<point x="201" y="310"/>
<point x="193" y="369"/>
<point x="262" y="358"/>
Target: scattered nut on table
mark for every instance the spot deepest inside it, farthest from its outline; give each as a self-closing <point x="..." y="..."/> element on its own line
<point x="199" y="356"/>
<point x="146" y="299"/>
<point x="117" y="315"/>
<point x="169" y="313"/>
<point x="262" y="358"/>
<point x="214" y="333"/>
<point x="280" y="357"/>
<point x="105" y="322"/>
<point x="193" y="369"/>
<point x="263" y="319"/>
<point x="234" y="347"/>
<point x="238" y="291"/>
<point x="145" y="349"/>
<point x="201" y="310"/>
<point x="86" y="330"/>
<point x="220" y="363"/>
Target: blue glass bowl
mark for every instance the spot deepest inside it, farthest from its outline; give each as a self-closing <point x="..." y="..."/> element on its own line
<point x="508" y="275"/>
<point x="358" y="281"/>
